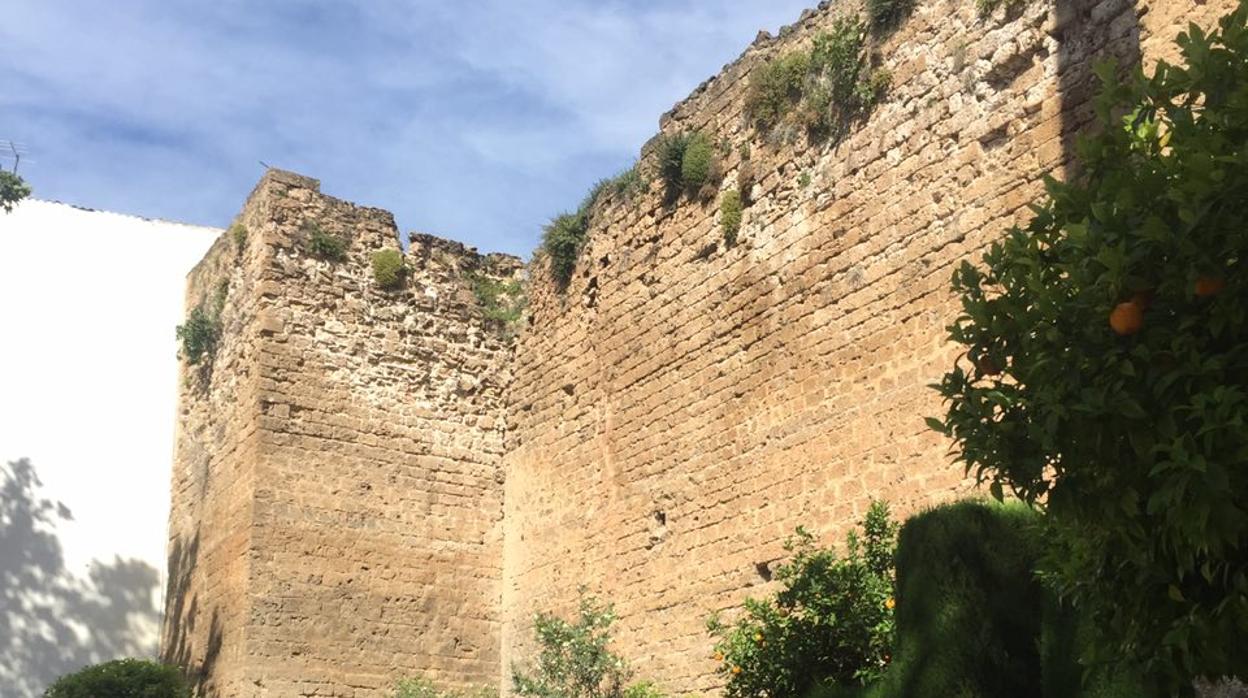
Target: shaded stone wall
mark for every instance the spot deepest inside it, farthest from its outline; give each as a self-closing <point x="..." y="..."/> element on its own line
<point x="350" y="439"/>
<point x="684" y="405"/>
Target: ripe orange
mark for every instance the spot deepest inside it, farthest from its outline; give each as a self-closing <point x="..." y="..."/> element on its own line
<point x="736" y="670"/>
<point x="1207" y="286"/>
<point x="1127" y="318"/>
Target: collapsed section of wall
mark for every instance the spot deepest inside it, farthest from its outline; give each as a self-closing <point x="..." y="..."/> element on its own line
<point x="686" y="403"/>
<point x="351" y="439"/>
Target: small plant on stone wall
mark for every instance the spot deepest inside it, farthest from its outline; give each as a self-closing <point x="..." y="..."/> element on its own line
<point x="562" y="240"/>
<point x="989" y="6"/>
<point x="238" y="233"/>
<point x="671" y="157"/>
<point x="830" y="624"/>
<point x="389" y="269"/>
<point x="887" y="14"/>
<point x="501" y="301"/>
<point x="700" y="169"/>
<point x="730" y="213"/>
<point x="199" y="334"/>
<point x="574" y="661"/>
<point x="324" y="244"/>
<point x="823" y="89"/>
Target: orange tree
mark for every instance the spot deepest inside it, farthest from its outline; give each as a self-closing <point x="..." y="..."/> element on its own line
<point x="1105" y="376"/>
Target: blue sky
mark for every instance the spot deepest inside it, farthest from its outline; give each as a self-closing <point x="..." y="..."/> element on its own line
<point x="475" y="121"/>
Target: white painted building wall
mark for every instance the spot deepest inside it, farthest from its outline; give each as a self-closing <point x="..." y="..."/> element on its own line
<point x="88" y="376"/>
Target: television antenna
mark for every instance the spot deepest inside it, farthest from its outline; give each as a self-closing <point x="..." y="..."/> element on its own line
<point x="12" y="150"/>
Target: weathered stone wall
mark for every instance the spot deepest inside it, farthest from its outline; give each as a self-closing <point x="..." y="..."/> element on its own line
<point x="351" y="442"/>
<point x="683" y="406"/>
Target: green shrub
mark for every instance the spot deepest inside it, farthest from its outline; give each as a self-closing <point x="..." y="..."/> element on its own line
<point x="501" y="301"/>
<point x="776" y="88"/>
<point x="886" y="14"/>
<point x="1106" y="366"/>
<point x="671" y="161"/>
<point x="424" y="688"/>
<point x="388" y="268"/>
<point x="574" y="661"/>
<point x="730" y="216"/>
<point x="697" y="164"/>
<point x="562" y="240"/>
<point x="122" y="678"/>
<point x="323" y="244"/>
<point x="200" y="334"/>
<point x="831" y="623"/>
<point x="629" y="184"/>
<point x="238" y="233"/>
<point x="823" y="89"/>
<point x="12" y="190"/>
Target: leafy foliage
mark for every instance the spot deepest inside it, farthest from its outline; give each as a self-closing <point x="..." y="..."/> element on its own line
<point x="824" y="89"/>
<point x="388" y="268"/>
<point x="424" y="688"/>
<point x="12" y="190"/>
<point x="832" y="622"/>
<point x="200" y="334"/>
<point x="730" y="216"/>
<point x="122" y="678"/>
<point x="562" y="239"/>
<point x="324" y="244"/>
<point x="699" y="164"/>
<point x="501" y="301"/>
<point x="1131" y="430"/>
<point x="886" y="14"/>
<point x="238" y="233"/>
<point x="574" y="661"/>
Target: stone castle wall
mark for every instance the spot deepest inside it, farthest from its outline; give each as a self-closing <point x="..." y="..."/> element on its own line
<point x="372" y="484"/>
<point x="685" y="405"/>
<point x="353" y="535"/>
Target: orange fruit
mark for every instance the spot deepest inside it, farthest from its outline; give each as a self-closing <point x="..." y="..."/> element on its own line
<point x="1207" y="286"/>
<point x="736" y="670"/>
<point x="1127" y="318"/>
<point x="719" y="656"/>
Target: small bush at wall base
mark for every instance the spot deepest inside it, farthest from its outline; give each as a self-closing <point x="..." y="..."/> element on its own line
<point x="122" y="678"/>
<point x="323" y="244"/>
<point x="574" y="660"/>
<point x="388" y="268"/>
<point x="424" y="688"/>
<point x="730" y="216"/>
<point x="200" y="334"/>
<point x="832" y="623"/>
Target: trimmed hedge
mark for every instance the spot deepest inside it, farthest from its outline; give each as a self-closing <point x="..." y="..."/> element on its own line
<point x="973" y="620"/>
<point x="122" y="678"/>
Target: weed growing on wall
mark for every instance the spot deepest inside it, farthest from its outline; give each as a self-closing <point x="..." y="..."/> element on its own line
<point x="199" y="334"/>
<point x="323" y="244"/>
<point x="1105" y="371"/>
<point x="730" y="216"/>
<point x="561" y="240"/>
<point x="389" y="269"/>
<point x="831" y="623"/>
<point x="823" y="89"/>
<point x="886" y="14"/>
<point x="238" y="233"/>
<point x="699" y="167"/>
<point x="501" y="301"/>
<point x="574" y="661"/>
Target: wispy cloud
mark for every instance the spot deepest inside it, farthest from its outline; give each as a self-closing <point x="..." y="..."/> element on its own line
<point x="475" y="121"/>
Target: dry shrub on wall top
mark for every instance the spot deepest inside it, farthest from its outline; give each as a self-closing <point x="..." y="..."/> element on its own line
<point x="823" y="89"/>
<point x="1106" y="366"/>
<point x="389" y="269"/>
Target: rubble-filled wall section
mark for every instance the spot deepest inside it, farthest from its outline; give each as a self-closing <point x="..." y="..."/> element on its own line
<point x="371" y="545"/>
<point x="684" y="405"/>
